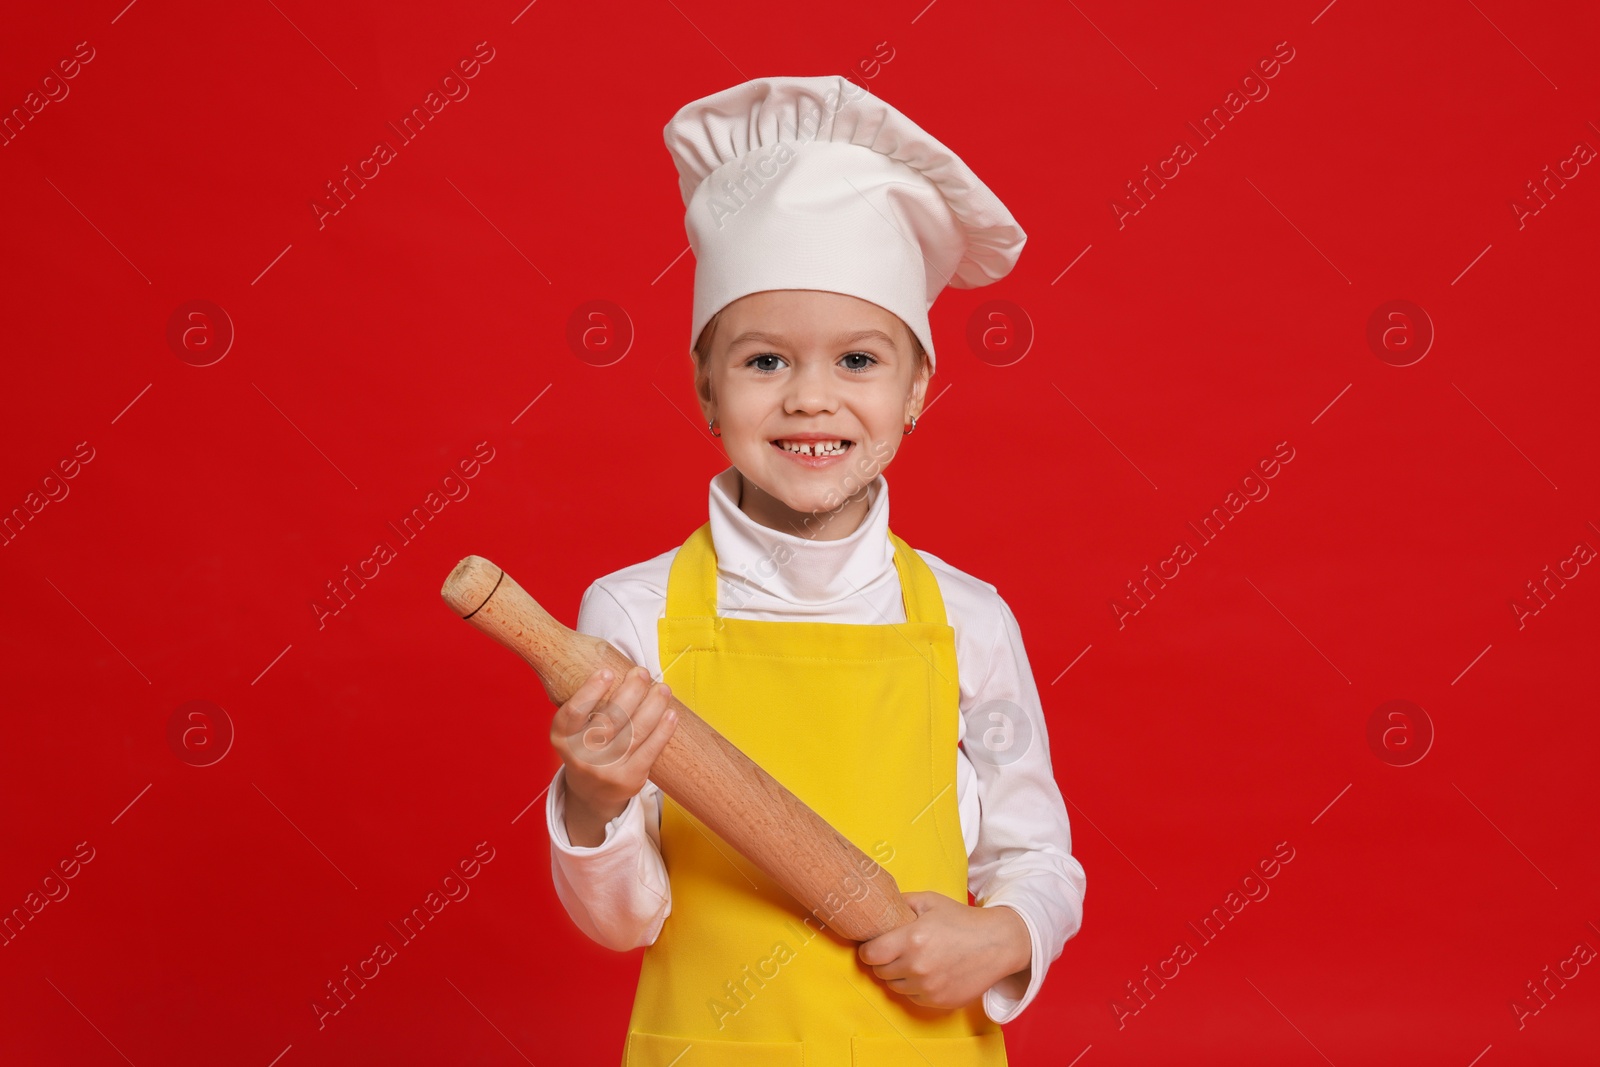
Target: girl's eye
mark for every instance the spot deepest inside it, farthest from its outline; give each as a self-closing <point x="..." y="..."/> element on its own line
<point x="858" y="368"/>
<point x="753" y="360"/>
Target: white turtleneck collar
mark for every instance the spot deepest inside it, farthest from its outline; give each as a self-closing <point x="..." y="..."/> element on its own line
<point x="765" y="573"/>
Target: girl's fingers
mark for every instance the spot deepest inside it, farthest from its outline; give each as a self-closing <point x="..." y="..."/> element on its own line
<point x="583" y="700"/>
<point x="651" y="704"/>
<point x="658" y="738"/>
<point x="603" y="735"/>
<point x="651" y="707"/>
<point x="615" y="739"/>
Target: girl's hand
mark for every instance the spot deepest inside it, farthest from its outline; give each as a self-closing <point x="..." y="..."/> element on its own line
<point x="609" y="748"/>
<point x="951" y="953"/>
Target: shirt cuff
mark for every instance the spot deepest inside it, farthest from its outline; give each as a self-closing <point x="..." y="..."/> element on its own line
<point x="1002" y="1002"/>
<point x="556" y="817"/>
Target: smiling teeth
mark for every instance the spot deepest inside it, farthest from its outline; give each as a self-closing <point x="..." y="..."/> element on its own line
<point x="818" y="448"/>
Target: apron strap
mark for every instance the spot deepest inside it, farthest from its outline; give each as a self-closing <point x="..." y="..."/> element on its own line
<point x="692" y="578"/>
<point x="692" y="581"/>
<point x="918" y="587"/>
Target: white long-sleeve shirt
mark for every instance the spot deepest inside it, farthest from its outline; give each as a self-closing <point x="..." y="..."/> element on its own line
<point x="1013" y="820"/>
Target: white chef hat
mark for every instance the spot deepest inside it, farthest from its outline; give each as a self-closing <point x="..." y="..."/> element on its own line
<point x="814" y="183"/>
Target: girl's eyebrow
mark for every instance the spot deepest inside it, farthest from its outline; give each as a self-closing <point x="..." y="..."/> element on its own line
<point x="844" y="339"/>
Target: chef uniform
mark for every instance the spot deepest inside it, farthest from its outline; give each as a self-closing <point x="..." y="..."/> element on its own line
<point x="840" y="671"/>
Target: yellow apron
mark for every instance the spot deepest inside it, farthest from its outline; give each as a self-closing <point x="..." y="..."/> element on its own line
<point x="858" y="721"/>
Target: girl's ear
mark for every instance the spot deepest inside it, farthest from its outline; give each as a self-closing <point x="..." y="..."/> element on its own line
<point x="919" y="388"/>
<point x="702" y="386"/>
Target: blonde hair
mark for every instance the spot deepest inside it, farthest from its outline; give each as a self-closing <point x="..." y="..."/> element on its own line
<point x="702" y="347"/>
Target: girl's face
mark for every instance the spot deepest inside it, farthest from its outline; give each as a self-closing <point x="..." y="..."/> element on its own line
<point x="793" y="366"/>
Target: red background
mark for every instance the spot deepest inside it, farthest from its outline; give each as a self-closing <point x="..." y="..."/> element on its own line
<point x="372" y="354"/>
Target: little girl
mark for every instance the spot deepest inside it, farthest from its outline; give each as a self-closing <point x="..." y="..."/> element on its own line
<point x="887" y="689"/>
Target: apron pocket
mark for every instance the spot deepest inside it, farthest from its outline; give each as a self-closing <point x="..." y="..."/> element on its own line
<point x="976" y="1050"/>
<point x="659" y="1050"/>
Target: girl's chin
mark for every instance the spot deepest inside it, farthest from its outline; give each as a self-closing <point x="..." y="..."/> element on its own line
<point x="806" y="498"/>
<point x="804" y="491"/>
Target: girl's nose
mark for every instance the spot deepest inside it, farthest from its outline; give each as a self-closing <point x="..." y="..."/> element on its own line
<point x="811" y="388"/>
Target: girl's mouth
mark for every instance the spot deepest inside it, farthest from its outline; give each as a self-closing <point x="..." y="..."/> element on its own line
<point x="813" y="453"/>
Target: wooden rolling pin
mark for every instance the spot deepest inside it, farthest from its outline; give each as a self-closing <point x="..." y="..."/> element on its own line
<point x="699" y="768"/>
